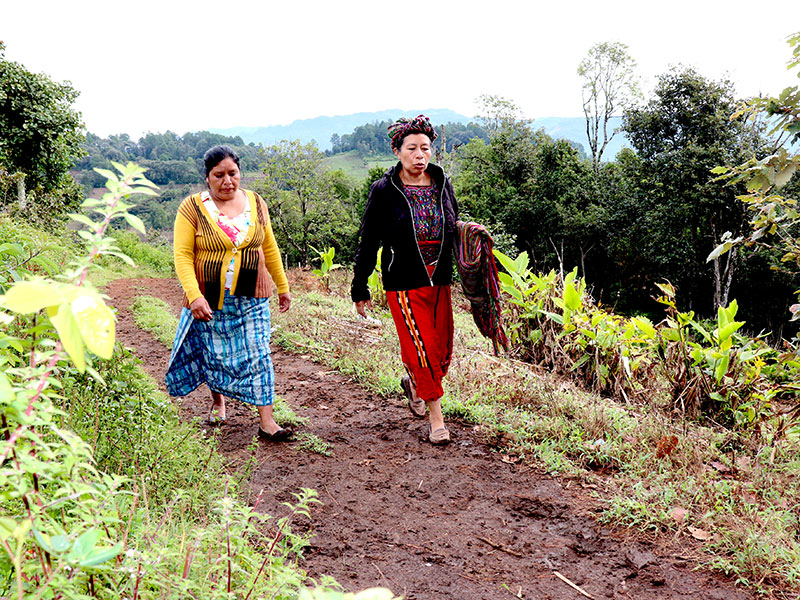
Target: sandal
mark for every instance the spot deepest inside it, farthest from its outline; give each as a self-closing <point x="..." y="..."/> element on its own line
<point x="215" y="421"/>
<point x="282" y="435"/>
<point x="418" y="406"/>
<point x="438" y="437"/>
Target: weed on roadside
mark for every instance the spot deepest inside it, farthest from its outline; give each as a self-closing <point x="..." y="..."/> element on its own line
<point x="309" y="442"/>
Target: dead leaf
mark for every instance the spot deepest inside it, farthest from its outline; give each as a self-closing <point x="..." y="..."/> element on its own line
<point x="511" y="460"/>
<point x="719" y="466"/>
<point x="699" y="534"/>
<point x="744" y="464"/>
<point x="678" y="514"/>
<point x="749" y="497"/>
<point x="666" y="445"/>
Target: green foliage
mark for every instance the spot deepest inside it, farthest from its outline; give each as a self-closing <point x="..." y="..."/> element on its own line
<point x="142" y="512"/>
<point x="309" y="442"/>
<point x="370" y="139"/>
<point x="156" y="316"/>
<point x="770" y="198"/>
<point x="710" y="372"/>
<point x="168" y="157"/>
<point x="41" y="131"/>
<point x="326" y="265"/>
<point x="538" y="192"/>
<point x="151" y="259"/>
<point x="308" y="204"/>
<point x="675" y="209"/>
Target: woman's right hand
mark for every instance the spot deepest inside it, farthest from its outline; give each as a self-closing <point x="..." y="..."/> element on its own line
<point x="361" y="307"/>
<point x="201" y="310"/>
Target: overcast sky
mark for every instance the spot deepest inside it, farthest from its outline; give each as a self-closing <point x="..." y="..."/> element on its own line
<point x="186" y="66"/>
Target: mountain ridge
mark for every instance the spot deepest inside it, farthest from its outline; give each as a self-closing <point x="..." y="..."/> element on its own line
<point x="320" y="129"/>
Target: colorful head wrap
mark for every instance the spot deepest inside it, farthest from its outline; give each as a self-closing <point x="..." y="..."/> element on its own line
<point x="405" y="126"/>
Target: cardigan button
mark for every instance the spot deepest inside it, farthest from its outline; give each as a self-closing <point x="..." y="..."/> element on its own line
<point x="234" y="250"/>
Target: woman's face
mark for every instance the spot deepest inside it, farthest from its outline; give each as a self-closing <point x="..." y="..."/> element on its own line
<point x="415" y="153"/>
<point x="223" y="180"/>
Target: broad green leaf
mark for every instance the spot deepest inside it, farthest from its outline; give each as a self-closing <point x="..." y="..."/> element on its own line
<point x="522" y="262"/>
<point x="671" y="334"/>
<point x="106" y="173"/>
<point x="124" y="257"/>
<point x="28" y="297"/>
<point x="572" y="299"/>
<point x="96" y="324"/>
<point x="722" y="367"/>
<point x="729" y="329"/>
<point x="83" y="219"/>
<point x="101" y="555"/>
<point x="135" y="222"/>
<point x="374" y="594"/>
<point x="7" y="527"/>
<point x="506" y="261"/>
<point x="84" y="544"/>
<point x="645" y="326"/>
<point x="70" y="335"/>
<point x="60" y="543"/>
<point x="6" y="391"/>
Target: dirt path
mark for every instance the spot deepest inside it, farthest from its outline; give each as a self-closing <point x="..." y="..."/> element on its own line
<point x="429" y="523"/>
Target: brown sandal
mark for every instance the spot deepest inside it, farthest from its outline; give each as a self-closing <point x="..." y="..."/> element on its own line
<point x="438" y="437"/>
<point x="417" y="407"/>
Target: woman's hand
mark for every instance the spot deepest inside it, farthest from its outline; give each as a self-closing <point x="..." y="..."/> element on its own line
<point x="284" y="301"/>
<point x="361" y="307"/>
<point x="201" y="310"/>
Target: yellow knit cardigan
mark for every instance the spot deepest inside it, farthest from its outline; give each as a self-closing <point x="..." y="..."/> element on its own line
<point x="203" y="252"/>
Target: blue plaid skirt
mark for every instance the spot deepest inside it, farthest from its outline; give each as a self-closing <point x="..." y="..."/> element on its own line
<point x="230" y="353"/>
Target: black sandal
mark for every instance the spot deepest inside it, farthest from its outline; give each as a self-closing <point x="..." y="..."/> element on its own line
<point x="283" y="434"/>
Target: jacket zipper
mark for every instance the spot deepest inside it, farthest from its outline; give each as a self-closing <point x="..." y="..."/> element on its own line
<point x="414" y="227"/>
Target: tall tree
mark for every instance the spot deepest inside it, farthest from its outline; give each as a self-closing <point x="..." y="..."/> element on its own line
<point x="309" y="205"/>
<point x="680" y="212"/>
<point x="496" y="113"/>
<point x="41" y="131"/>
<point x="610" y="86"/>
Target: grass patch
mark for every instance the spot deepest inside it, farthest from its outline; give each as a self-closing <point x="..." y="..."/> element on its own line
<point x="309" y="442"/>
<point x="355" y="166"/>
<point x="155" y="316"/>
<point x="742" y="500"/>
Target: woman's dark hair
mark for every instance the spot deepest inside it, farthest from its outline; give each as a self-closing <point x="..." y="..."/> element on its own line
<point x="216" y="155"/>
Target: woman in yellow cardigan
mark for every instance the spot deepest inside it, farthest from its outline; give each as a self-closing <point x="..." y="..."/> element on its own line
<point x="226" y="258"/>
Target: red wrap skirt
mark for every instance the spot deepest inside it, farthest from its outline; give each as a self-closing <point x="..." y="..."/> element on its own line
<point x="424" y="321"/>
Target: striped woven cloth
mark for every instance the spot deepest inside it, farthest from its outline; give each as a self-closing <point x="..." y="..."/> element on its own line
<point x="478" y="273"/>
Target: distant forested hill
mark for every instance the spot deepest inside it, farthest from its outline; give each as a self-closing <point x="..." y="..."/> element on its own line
<point x="322" y="129"/>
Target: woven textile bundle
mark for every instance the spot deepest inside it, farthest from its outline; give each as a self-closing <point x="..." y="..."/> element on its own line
<point x="478" y="273"/>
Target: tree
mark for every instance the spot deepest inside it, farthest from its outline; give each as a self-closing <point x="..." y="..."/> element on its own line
<point x="496" y="112"/>
<point x="679" y="212"/>
<point x="610" y="86"/>
<point x="771" y="198"/>
<point x="41" y="131"/>
<point x="309" y="205"/>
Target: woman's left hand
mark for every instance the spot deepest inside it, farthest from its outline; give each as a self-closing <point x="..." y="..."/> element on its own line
<point x="284" y="301"/>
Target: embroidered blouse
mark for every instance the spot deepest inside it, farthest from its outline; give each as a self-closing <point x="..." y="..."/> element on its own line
<point x="427" y="219"/>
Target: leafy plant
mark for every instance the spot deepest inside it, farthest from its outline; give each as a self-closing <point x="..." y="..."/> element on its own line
<point x="326" y="265"/>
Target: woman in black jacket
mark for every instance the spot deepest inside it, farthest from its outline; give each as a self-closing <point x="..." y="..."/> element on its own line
<point x="411" y="213"/>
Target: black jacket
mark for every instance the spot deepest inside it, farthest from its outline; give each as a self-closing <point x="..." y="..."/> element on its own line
<point x="388" y="222"/>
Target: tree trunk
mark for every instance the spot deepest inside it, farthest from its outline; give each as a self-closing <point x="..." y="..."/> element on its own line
<point x="22" y="198"/>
